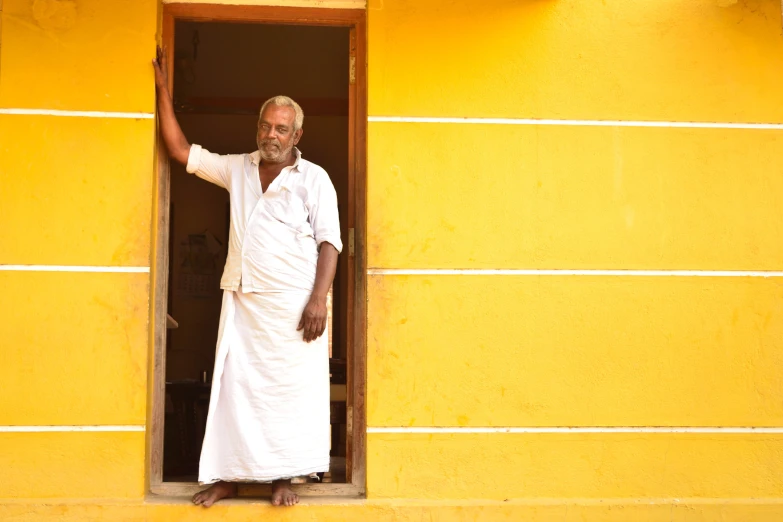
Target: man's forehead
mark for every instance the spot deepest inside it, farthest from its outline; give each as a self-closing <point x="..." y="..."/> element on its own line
<point x="277" y="114"/>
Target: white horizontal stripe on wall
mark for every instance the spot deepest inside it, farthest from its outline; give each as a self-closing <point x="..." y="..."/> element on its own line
<point x="559" y="272"/>
<point x="579" y="123"/>
<point x="71" y="268"/>
<point x="50" y="429"/>
<point x="79" y="114"/>
<point x="559" y="429"/>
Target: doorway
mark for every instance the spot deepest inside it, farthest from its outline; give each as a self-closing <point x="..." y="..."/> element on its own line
<point x="220" y="58"/>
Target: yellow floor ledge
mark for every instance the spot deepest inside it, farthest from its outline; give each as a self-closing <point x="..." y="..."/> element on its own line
<point x="326" y="510"/>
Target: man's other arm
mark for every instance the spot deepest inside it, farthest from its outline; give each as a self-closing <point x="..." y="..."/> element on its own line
<point x="321" y="204"/>
<point x="313" y="322"/>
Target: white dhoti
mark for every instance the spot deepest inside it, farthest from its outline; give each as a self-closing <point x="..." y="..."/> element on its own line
<point x="269" y="409"/>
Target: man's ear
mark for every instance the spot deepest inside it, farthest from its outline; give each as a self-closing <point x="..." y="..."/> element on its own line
<point x="298" y="136"/>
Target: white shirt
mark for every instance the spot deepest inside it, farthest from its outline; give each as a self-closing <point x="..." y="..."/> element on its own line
<point x="274" y="235"/>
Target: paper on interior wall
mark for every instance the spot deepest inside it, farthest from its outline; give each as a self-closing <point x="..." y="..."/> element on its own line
<point x="198" y="268"/>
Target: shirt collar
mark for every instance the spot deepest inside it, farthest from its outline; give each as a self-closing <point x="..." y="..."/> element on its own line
<point x="255" y="158"/>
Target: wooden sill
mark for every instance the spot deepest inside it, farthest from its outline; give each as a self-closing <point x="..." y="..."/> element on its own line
<point x="252" y="491"/>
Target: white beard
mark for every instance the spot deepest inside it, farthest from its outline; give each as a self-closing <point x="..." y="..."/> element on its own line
<point x="274" y="156"/>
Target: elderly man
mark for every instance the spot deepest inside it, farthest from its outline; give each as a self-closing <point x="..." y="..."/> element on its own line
<point x="268" y="415"/>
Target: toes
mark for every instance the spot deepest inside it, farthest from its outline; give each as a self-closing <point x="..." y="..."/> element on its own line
<point x="276" y="500"/>
<point x="208" y="502"/>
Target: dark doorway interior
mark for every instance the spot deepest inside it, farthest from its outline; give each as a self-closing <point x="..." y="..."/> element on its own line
<point x="222" y="74"/>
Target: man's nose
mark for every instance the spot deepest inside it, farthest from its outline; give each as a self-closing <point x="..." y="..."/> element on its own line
<point x="268" y="133"/>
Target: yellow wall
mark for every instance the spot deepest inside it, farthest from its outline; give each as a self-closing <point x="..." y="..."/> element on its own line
<point x="469" y="352"/>
<point x="591" y="351"/>
<point x="75" y="191"/>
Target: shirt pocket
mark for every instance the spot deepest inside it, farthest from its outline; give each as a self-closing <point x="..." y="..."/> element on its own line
<point x="287" y="208"/>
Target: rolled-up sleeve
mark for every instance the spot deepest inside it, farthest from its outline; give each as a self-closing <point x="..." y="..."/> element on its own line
<point x="324" y="217"/>
<point x="209" y="166"/>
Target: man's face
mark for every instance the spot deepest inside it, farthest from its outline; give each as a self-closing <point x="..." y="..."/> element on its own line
<point x="276" y="136"/>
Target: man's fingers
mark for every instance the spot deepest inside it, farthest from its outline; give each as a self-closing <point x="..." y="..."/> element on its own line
<point x="312" y="324"/>
<point x="305" y="327"/>
<point x="313" y="330"/>
<point x="159" y="63"/>
<point x="310" y="330"/>
<point x="321" y="327"/>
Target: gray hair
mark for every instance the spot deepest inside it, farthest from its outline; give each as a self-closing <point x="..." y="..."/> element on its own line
<point x="285" y="101"/>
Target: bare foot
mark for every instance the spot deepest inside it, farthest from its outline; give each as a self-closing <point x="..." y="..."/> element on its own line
<point x="215" y="492"/>
<point x="282" y="495"/>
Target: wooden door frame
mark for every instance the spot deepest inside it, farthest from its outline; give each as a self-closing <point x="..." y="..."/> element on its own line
<point x="356" y="21"/>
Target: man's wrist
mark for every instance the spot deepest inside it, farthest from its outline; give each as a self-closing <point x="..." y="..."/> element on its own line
<point x="163" y="93"/>
<point x="318" y="296"/>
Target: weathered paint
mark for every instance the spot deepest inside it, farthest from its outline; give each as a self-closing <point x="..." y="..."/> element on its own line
<point x="72" y="465"/>
<point x="80" y="190"/>
<point x="510" y="351"/>
<point x="472" y="351"/>
<point x="534" y="466"/>
<point x="574" y="351"/>
<point x="79" y="55"/>
<point x="82" y="358"/>
<point x="574" y="197"/>
<point x="75" y="191"/>
<point x="546" y="510"/>
<point x="682" y="60"/>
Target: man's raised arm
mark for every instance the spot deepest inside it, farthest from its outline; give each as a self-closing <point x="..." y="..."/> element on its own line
<point x="175" y="140"/>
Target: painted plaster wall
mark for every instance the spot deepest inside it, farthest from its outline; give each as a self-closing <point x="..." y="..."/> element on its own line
<point x="520" y="351"/>
<point x="444" y="351"/>
<point x="75" y="191"/>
